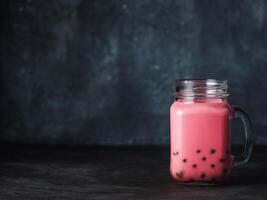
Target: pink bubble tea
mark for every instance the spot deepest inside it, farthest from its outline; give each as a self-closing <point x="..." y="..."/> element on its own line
<point x="200" y="132"/>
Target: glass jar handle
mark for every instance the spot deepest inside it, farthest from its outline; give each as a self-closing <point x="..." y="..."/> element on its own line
<point x="244" y="158"/>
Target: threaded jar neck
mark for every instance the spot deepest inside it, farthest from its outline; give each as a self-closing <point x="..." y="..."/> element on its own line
<point x="201" y="88"/>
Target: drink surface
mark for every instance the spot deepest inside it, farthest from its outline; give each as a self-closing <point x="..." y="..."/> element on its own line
<point x="200" y="140"/>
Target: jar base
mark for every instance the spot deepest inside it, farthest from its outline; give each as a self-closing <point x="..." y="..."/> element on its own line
<point x="199" y="183"/>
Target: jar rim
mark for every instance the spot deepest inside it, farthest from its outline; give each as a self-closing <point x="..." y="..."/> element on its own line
<point x="219" y="81"/>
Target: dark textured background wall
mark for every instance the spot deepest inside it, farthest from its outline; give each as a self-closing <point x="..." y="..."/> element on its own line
<point x="101" y="72"/>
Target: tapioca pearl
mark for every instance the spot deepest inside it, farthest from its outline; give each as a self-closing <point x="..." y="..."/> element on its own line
<point x="180" y="174"/>
<point x="225" y="171"/>
<point x="203" y="175"/>
<point x="204" y="158"/>
<point x="175" y="153"/>
<point x="222" y="160"/>
<point x="194" y="165"/>
<point x="212" y="166"/>
<point x="184" y="160"/>
<point x="212" y="151"/>
<point x="213" y="179"/>
<point x="198" y="151"/>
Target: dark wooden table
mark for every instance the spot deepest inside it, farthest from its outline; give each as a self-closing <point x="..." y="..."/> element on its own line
<point x="49" y="172"/>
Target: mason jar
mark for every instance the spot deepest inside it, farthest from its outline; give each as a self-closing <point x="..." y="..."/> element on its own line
<point x="200" y="132"/>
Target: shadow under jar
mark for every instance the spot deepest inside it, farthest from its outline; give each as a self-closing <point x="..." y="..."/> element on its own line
<point x="200" y="134"/>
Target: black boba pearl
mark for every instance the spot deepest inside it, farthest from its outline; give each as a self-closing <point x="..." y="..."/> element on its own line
<point x="180" y="174"/>
<point x="185" y="160"/>
<point x="194" y="165"/>
<point x="204" y="158"/>
<point x="222" y="160"/>
<point x="212" y="151"/>
<point x="212" y="165"/>
<point x="203" y="175"/>
<point x="198" y="151"/>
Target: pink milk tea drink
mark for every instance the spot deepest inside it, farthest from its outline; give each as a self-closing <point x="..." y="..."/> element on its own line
<point x="200" y="134"/>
